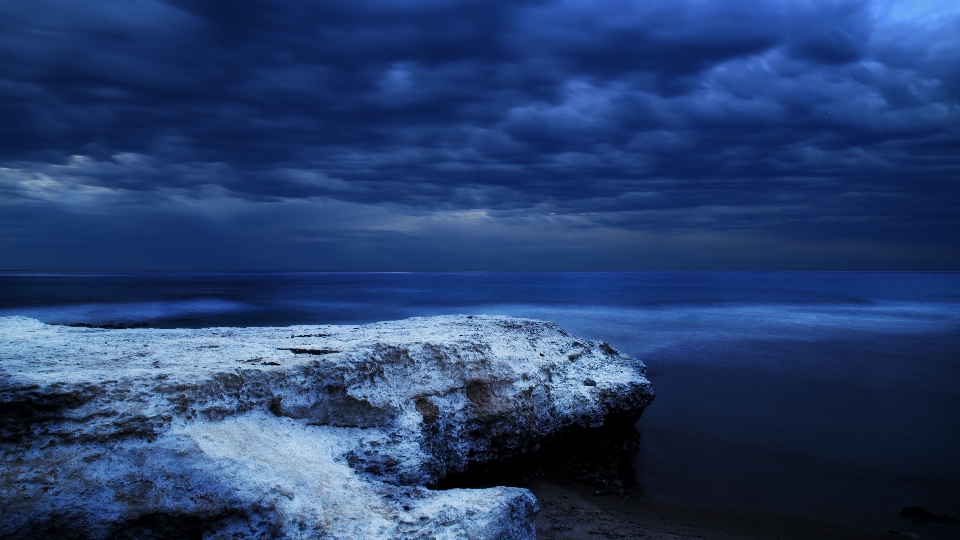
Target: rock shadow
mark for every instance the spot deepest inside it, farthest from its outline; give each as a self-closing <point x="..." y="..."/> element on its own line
<point x="598" y="456"/>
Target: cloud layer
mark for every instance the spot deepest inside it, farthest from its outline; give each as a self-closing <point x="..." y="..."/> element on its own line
<point x="469" y="134"/>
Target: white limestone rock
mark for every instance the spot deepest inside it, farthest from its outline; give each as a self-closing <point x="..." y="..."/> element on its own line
<point x="296" y="432"/>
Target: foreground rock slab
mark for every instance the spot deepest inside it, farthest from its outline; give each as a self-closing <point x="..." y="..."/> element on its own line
<point x="296" y="432"/>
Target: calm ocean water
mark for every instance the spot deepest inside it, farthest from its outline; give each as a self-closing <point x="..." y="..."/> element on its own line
<point x="826" y="395"/>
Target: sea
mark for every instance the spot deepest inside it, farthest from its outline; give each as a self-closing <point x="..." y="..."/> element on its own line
<point x="832" y="396"/>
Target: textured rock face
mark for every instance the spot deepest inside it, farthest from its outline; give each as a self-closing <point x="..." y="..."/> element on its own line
<point x="306" y="431"/>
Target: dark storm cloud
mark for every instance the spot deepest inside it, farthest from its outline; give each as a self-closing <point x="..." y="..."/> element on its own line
<point x="797" y="118"/>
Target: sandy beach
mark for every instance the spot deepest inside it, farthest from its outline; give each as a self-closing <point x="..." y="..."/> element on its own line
<point x="571" y="511"/>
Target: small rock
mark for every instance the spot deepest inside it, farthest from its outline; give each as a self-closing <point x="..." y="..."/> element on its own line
<point x="589" y="382"/>
<point x="923" y="516"/>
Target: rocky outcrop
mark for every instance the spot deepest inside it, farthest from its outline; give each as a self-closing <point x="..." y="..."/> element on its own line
<point x="306" y="431"/>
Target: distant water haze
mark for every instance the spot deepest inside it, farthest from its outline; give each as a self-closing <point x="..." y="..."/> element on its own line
<point x="833" y="396"/>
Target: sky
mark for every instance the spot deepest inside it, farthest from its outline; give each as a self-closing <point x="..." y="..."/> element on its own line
<point x="447" y="135"/>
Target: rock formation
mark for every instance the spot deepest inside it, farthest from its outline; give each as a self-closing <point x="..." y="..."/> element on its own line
<point x="297" y="432"/>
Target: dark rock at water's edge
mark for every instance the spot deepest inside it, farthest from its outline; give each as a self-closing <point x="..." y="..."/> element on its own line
<point x="111" y="326"/>
<point x="311" y="431"/>
<point x="922" y="516"/>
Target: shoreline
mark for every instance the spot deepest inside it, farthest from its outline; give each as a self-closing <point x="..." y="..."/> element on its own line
<point x="570" y="511"/>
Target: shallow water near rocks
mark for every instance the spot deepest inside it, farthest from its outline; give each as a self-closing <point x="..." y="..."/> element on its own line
<point x="830" y="396"/>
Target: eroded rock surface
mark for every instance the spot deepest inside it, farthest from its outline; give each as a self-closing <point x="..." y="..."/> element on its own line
<point x="296" y="432"/>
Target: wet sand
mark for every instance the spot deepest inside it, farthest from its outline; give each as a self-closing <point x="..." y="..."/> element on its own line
<point x="570" y="511"/>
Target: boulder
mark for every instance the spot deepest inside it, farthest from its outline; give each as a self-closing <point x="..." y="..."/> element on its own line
<point x="303" y="431"/>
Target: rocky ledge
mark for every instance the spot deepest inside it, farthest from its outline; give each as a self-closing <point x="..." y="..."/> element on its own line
<point x="296" y="432"/>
